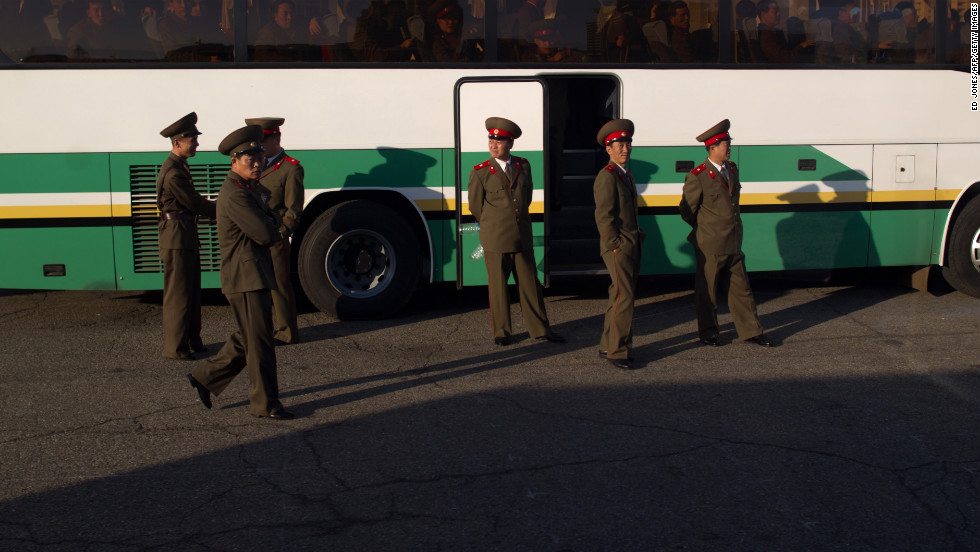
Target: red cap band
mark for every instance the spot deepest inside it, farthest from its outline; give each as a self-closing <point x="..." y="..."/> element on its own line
<point x="544" y="32"/>
<point x="444" y="12"/>
<point x="268" y="131"/>
<point x="619" y="134"/>
<point x="717" y="138"/>
<point x="500" y="133"/>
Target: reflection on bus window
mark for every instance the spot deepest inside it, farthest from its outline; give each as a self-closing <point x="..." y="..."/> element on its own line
<point x="843" y="33"/>
<point x="608" y="31"/>
<point x="368" y="31"/>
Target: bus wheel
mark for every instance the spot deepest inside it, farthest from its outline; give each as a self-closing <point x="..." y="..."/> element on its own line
<point x="962" y="268"/>
<point x="358" y="260"/>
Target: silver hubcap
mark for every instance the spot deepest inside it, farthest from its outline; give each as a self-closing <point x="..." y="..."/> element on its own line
<point x="360" y="264"/>
<point x="975" y="250"/>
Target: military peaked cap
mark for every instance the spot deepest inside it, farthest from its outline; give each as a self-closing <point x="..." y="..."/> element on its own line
<point x="617" y="130"/>
<point x="184" y="127"/>
<point x="502" y="128"/>
<point x="716" y="133"/>
<point x="270" y="125"/>
<point x="244" y="140"/>
<point x="544" y="27"/>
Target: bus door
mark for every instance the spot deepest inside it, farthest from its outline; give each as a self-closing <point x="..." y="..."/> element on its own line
<point x="522" y="100"/>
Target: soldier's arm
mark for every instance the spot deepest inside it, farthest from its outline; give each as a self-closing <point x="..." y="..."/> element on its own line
<point x="252" y="217"/>
<point x="691" y="199"/>
<point x="476" y="194"/>
<point x="604" y="191"/>
<point x="183" y="189"/>
<point x="293" y="200"/>
<point x="529" y="189"/>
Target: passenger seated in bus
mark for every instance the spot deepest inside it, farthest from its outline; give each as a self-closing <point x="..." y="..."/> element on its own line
<point x="656" y="31"/>
<point x="744" y="12"/>
<point x="620" y="38"/>
<point x="381" y="33"/>
<point x="445" y="18"/>
<point x="530" y="12"/>
<point x="92" y="38"/>
<point x="772" y="42"/>
<point x="187" y="39"/>
<point x="277" y="40"/>
<point x="897" y="31"/>
<point x="848" y="44"/>
<point x="545" y="48"/>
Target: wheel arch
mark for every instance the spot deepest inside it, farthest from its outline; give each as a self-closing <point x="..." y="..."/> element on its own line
<point x="401" y="204"/>
<point x="968" y="193"/>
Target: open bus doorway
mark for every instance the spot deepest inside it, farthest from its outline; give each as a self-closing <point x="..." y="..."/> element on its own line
<point x="578" y="105"/>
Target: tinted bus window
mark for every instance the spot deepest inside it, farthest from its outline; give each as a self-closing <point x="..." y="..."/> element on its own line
<point x="367" y="31"/>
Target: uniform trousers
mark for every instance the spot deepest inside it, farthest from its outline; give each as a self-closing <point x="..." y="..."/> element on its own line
<point x="252" y="346"/>
<point x="623" y="265"/>
<point x="499" y="268"/>
<point x="181" y="302"/>
<point x="717" y="276"/>
<point x="283" y="297"/>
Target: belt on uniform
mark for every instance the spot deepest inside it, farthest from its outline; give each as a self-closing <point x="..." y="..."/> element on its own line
<point x="176" y="215"/>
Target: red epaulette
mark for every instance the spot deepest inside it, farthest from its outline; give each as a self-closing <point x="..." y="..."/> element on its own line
<point x="733" y="167"/>
<point x="292" y="160"/>
<point x="611" y="168"/>
<point x="699" y="169"/>
<point x="481" y="165"/>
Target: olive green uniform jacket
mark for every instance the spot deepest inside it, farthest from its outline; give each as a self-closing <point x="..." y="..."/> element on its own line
<point x="621" y="247"/>
<point x="246" y="229"/>
<point x="711" y="206"/>
<point x="179" y="250"/>
<point x="500" y="204"/>
<point x="282" y="185"/>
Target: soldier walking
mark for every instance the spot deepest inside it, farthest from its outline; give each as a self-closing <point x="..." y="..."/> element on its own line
<point x="246" y="229"/>
<point x="711" y="206"/>
<point x="620" y="240"/>
<point x="500" y="192"/>
<point x="180" y="205"/>
<point x="282" y="185"/>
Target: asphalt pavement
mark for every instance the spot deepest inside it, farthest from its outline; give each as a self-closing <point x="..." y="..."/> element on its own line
<point x="861" y="431"/>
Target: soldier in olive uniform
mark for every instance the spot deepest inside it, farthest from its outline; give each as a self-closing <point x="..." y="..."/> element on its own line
<point x="620" y="240"/>
<point x="710" y="206"/>
<point x="246" y="229"/>
<point x="180" y="205"/>
<point x="282" y="185"/>
<point x="500" y="193"/>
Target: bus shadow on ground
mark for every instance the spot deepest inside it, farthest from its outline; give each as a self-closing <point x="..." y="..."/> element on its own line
<point x="804" y="464"/>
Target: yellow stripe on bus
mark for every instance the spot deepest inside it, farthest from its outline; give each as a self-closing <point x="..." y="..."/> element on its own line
<point x="63" y="211"/>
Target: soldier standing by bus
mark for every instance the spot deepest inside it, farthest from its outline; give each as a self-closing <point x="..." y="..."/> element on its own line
<point x="620" y="240"/>
<point x="500" y="192"/>
<point x="711" y="206"/>
<point x="180" y="205"/>
<point x="246" y="229"/>
<point x="282" y="185"/>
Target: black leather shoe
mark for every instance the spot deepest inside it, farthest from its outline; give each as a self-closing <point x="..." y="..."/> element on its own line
<point x="202" y="348"/>
<point x="760" y="340"/>
<point x="711" y="340"/>
<point x="552" y="337"/>
<point x="203" y="394"/>
<point x="188" y="356"/>
<point x="501" y="341"/>
<point x="604" y="354"/>
<point x="621" y="363"/>
<point x="281" y="414"/>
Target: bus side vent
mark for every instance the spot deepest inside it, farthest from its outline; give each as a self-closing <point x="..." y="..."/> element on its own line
<point x="683" y="166"/>
<point x="143" y="194"/>
<point x="806" y="164"/>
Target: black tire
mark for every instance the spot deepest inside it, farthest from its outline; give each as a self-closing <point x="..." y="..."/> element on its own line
<point x="359" y="260"/>
<point x="962" y="269"/>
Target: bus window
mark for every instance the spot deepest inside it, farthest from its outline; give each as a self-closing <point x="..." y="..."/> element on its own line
<point x="82" y="31"/>
<point x="684" y="31"/>
<point x="366" y="31"/>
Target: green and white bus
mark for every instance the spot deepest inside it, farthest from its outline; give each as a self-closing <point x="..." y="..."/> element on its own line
<point x="876" y="164"/>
